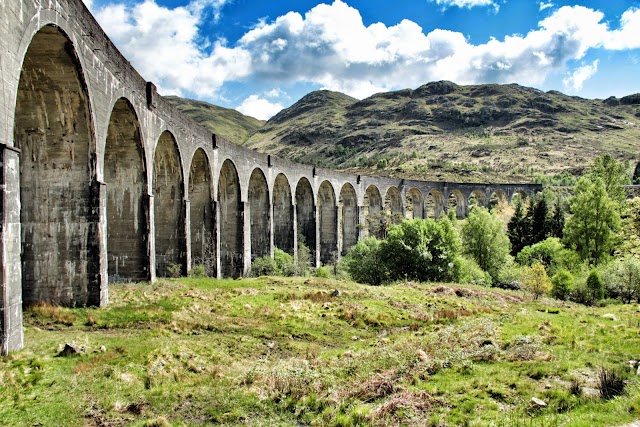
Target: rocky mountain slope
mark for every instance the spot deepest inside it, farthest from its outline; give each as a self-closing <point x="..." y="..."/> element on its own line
<point x="230" y="124"/>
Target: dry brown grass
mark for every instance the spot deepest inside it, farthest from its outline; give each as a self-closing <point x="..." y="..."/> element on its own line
<point x="52" y="314"/>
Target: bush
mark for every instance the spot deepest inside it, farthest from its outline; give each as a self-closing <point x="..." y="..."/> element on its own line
<point x="422" y="249"/>
<point x="174" y="270"/>
<point x="535" y="280"/>
<point x="263" y="266"/>
<point x="562" y="283"/>
<point x="594" y="287"/>
<point x="323" y="272"/>
<point x="470" y="272"/>
<point x="610" y="383"/>
<point x="364" y="263"/>
<point x="622" y="280"/>
<point x="509" y="275"/>
<point x="551" y="253"/>
<point x="284" y="263"/>
<point x="198" y="270"/>
<point x="304" y="259"/>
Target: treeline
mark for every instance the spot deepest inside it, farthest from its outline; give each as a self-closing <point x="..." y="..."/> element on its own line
<point x="583" y="245"/>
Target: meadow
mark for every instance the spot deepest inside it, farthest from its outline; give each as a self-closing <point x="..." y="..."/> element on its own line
<point x="321" y="352"/>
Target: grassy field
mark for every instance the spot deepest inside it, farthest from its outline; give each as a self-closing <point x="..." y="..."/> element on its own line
<point x="307" y="351"/>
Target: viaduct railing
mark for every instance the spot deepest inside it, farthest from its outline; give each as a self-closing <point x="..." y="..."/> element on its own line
<point x="102" y="179"/>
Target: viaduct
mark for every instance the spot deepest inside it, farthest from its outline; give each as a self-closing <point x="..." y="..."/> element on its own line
<point x="102" y="179"/>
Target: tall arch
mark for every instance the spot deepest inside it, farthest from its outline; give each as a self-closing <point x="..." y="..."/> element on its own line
<point x="126" y="179"/>
<point x="169" y="214"/>
<point x="306" y="217"/>
<point x="203" y="236"/>
<point x="393" y="201"/>
<point x="59" y="194"/>
<point x="457" y="202"/>
<point x="415" y="204"/>
<point x="477" y="198"/>
<point x="260" y="211"/>
<point x="435" y="204"/>
<point x="328" y="223"/>
<point x="497" y="198"/>
<point x="230" y="222"/>
<point x="372" y="210"/>
<point x="282" y="215"/>
<point x="348" y="217"/>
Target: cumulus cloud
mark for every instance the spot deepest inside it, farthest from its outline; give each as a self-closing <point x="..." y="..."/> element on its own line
<point x="545" y="5"/>
<point x="259" y="108"/>
<point x="331" y="47"/>
<point x="574" y="81"/>
<point x="466" y="3"/>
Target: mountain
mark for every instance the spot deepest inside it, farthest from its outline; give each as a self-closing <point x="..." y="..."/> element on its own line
<point x="443" y="131"/>
<point x="230" y="124"/>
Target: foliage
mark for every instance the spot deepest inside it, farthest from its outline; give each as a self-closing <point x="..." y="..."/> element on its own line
<point x="284" y="263"/>
<point x="562" y="282"/>
<point x="364" y="262"/>
<point x="379" y="223"/>
<point x="537" y="223"/>
<point x="304" y="258"/>
<point x="535" y="280"/>
<point x="470" y="272"/>
<point x="613" y="174"/>
<point x="595" y="220"/>
<point x="422" y="249"/>
<point x="594" y="287"/>
<point x="629" y="235"/>
<point x="551" y="253"/>
<point x="636" y="175"/>
<point x="484" y="239"/>
<point x="611" y="383"/>
<point x="198" y="270"/>
<point x="323" y="272"/>
<point x="174" y="270"/>
<point x="263" y="266"/>
<point x="622" y="279"/>
<point x="517" y="229"/>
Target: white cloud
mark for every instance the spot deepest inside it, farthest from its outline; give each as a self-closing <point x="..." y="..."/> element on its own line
<point x="544" y="5"/>
<point x="574" y="81"/>
<point x="275" y="93"/>
<point x="467" y="3"/>
<point x="259" y="108"/>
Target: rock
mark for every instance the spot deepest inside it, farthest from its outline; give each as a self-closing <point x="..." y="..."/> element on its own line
<point x="70" y="350"/>
<point x="638" y="371"/>
<point x="103" y="349"/>
<point x="335" y="293"/>
<point x="538" y="402"/>
<point x="610" y="316"/>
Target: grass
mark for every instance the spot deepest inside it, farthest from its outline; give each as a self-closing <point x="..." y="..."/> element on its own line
<point x="275" y="351"/>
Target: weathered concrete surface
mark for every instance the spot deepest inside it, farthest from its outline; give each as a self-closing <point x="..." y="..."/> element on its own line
<point x="102" y="178"/>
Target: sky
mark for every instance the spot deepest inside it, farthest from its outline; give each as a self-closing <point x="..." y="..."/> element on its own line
<point x="259" y="56"/>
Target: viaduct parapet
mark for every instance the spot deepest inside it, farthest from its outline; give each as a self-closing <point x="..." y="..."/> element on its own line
<point x="103" y="179"/>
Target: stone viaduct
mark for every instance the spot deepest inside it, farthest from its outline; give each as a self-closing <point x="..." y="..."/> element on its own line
<point x="102" y="179"/>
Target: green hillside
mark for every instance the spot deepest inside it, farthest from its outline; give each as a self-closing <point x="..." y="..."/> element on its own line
<point x="229" y="124"/>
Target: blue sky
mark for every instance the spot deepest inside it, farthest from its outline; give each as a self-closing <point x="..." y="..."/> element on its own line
<point x="259" y="56"/>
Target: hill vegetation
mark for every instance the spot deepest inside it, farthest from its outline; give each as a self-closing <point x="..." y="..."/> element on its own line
<point x="229" y="124"/>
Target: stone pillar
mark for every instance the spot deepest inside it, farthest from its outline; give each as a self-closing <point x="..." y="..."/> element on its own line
<point x="339" y="228"/>
<point x="149" y="207"/>
<point x="98" y="282"/>
<point x="245" y="214"/>
<point x="362" y="223"/>
<point x="11" y="335"/>
<point x="216" y="231"/>
<point x="272" y="215"/>
<point x="315" y="252"/>
<point x="294" y="216"/>
<point x="187" y="235"/>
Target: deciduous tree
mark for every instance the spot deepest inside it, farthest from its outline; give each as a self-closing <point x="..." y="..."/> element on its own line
<point x="485" y="240"/>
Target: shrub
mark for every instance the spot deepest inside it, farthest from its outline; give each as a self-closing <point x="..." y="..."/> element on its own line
<point x="622" y="279"/>
<point x="174" y="270"/>
<point x="610" y="383"/>
<point x="535" y="280"/>
<point x="470" y="272"/>
<point x="284" y="263"/>
<point x="263" y="266"/>
<point x="304" y="259"/>
<point x="364" y="263"/>
<point x="551" y="253"/>
<point x="485" y="240"/>
<point x="594" y="287"/>
<point x="198" y="270"/>
<point x="562" y="283"/>
<point x="323" y="272"/>
<point x="422" y="249"/>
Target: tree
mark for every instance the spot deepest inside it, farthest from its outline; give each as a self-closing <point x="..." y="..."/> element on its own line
<point x="538" y="225"/>
<point x="517" y="229"/>
<point x="613" y="174"/>
<point x="592" y="228"/>
<point x="364" y="262"/>
<point x="551" y="253"/>
<point x="556" y="222"/>
<point x="422" y="249"/>
<point x="535" y="280"/>
<point x="629" y="235"/>
<point x="594" y="287"/>
<point x="622" y="279"/>
<point x="562" y="283"/>
<point x="484" y="239"/>
<point x="636" y="174"/>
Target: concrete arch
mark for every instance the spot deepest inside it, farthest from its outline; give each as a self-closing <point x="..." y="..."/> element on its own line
<point x="348" y="217"/>
<point x="201" y="213"/>
<point x="496" y="198"/>
<point x="230" y="222"/>
<point x="53" y="128"/>
<point x="435" y="203"/>
<point x="306" y="216"/>
<point x="260" y="214"/>
<point x="283" y="221"/>
<point x="415" y="204"/>
<point x="327" y="223"/>
<point x="518" y="193"/>
<point x="127" y="206"/>
<point x="393" y="201"/>
<point x="169" y="206"/>
<point x="477" y="198"/>
<point x="372" y="210"/>
<point x="458" y="203"/>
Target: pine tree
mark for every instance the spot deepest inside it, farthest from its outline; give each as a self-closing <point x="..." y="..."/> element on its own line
<point x="517" y="229"/>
